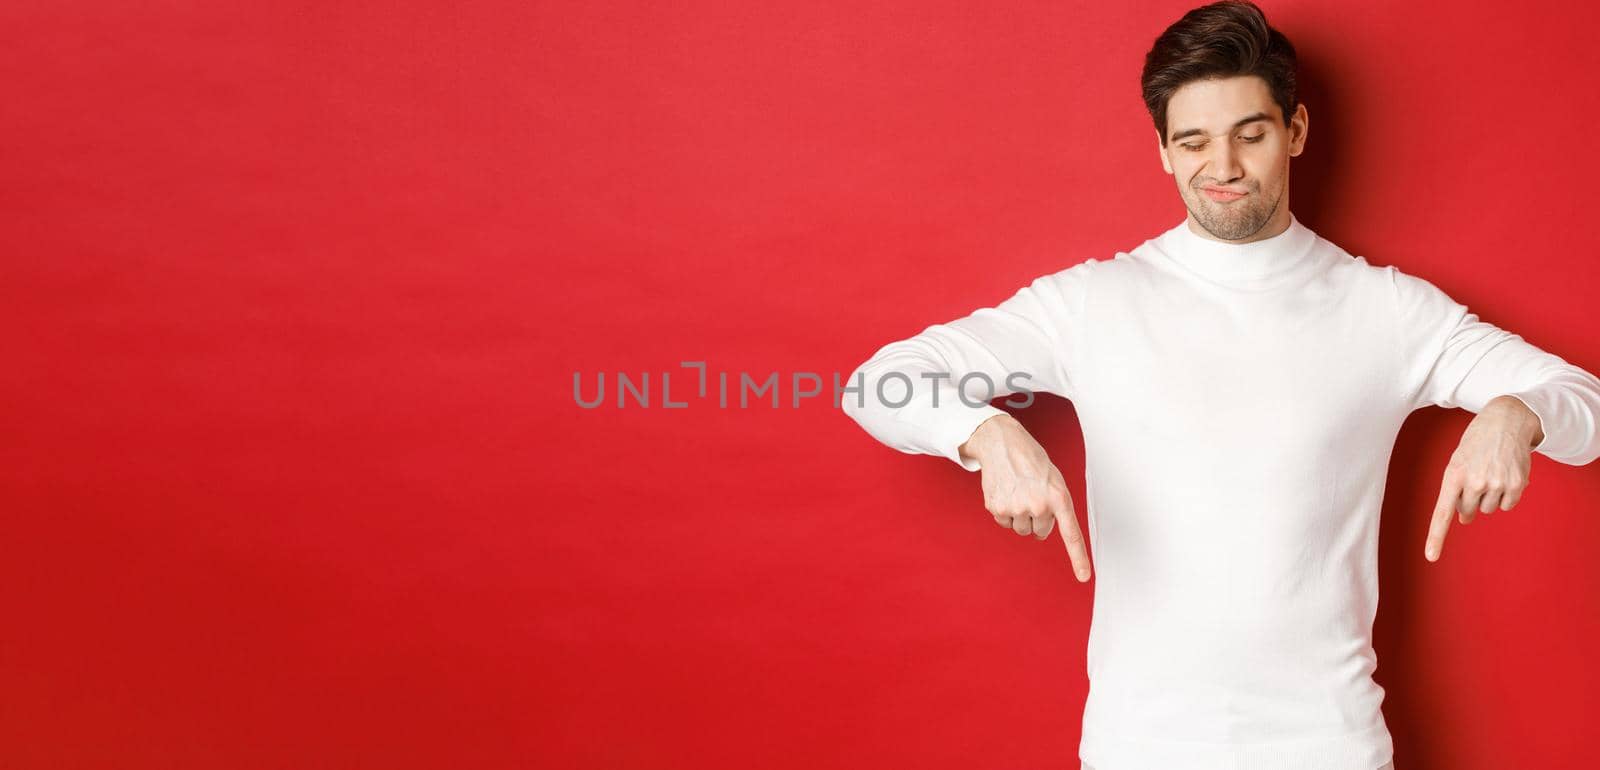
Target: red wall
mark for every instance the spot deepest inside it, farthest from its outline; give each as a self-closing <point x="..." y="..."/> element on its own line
<point x="293" y="295"/>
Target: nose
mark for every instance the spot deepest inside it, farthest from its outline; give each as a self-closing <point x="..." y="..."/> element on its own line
<point x="1225" y="166"/>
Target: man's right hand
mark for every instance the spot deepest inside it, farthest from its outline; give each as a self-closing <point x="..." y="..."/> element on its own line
<point x="1022" y="488"/>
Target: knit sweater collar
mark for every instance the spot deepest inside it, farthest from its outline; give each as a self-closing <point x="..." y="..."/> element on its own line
<point x="1245" y="264"/>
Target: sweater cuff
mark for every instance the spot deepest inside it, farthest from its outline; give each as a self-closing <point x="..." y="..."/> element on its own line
<point x="1539" y="402"/>
<point x="951" y="433"/>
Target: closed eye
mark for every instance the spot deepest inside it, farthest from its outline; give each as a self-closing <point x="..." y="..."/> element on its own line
<point x="1202" y="145"/>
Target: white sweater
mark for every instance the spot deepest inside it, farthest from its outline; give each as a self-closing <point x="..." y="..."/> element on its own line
<point x="1239" y="405"/>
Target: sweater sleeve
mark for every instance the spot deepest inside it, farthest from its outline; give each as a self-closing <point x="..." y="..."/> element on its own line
<point x="926" y="394"/>
<point x="1454" y="359"/>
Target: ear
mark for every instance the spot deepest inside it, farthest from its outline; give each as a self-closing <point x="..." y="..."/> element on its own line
<point x="1298" y="126"/>
<point x="1166" y="163"/>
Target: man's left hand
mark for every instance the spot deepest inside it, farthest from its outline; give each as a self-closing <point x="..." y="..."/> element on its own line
<point x="1489" y="469"/>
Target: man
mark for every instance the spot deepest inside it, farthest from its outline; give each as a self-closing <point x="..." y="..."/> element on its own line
<point x="1240" y="382"/>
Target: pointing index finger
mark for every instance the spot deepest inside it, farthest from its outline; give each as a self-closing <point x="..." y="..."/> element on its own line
<point x="1443" y="511"/>
<point x="1077" y="547"/>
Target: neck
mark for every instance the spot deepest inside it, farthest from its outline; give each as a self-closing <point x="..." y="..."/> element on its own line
<point x="1266" y="257"/>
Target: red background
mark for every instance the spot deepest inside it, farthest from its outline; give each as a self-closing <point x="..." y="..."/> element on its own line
<point x="294" y="294"/>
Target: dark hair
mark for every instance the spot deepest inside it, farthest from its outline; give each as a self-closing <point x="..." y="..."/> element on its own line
<point x="1220" y="40"/>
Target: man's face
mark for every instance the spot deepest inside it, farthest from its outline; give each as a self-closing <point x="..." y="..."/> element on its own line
<point x="1228" y="150"/>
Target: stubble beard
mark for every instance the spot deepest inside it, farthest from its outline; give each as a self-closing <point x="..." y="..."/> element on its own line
<point x="1235" y="220"/>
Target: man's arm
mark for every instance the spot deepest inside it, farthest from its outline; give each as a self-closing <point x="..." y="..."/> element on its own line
<point x="1457" y="360"/>
<point x="909" y="398"/>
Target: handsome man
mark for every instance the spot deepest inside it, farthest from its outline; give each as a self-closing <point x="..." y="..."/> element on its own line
<point x="1240" y="382"/>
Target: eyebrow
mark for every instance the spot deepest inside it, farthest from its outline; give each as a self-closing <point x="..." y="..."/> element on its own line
<point x="1246" y="119"/>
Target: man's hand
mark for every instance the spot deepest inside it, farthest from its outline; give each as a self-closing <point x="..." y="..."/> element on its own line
<point x="1022" y="488"/>
<point x="1489" y="469"/>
